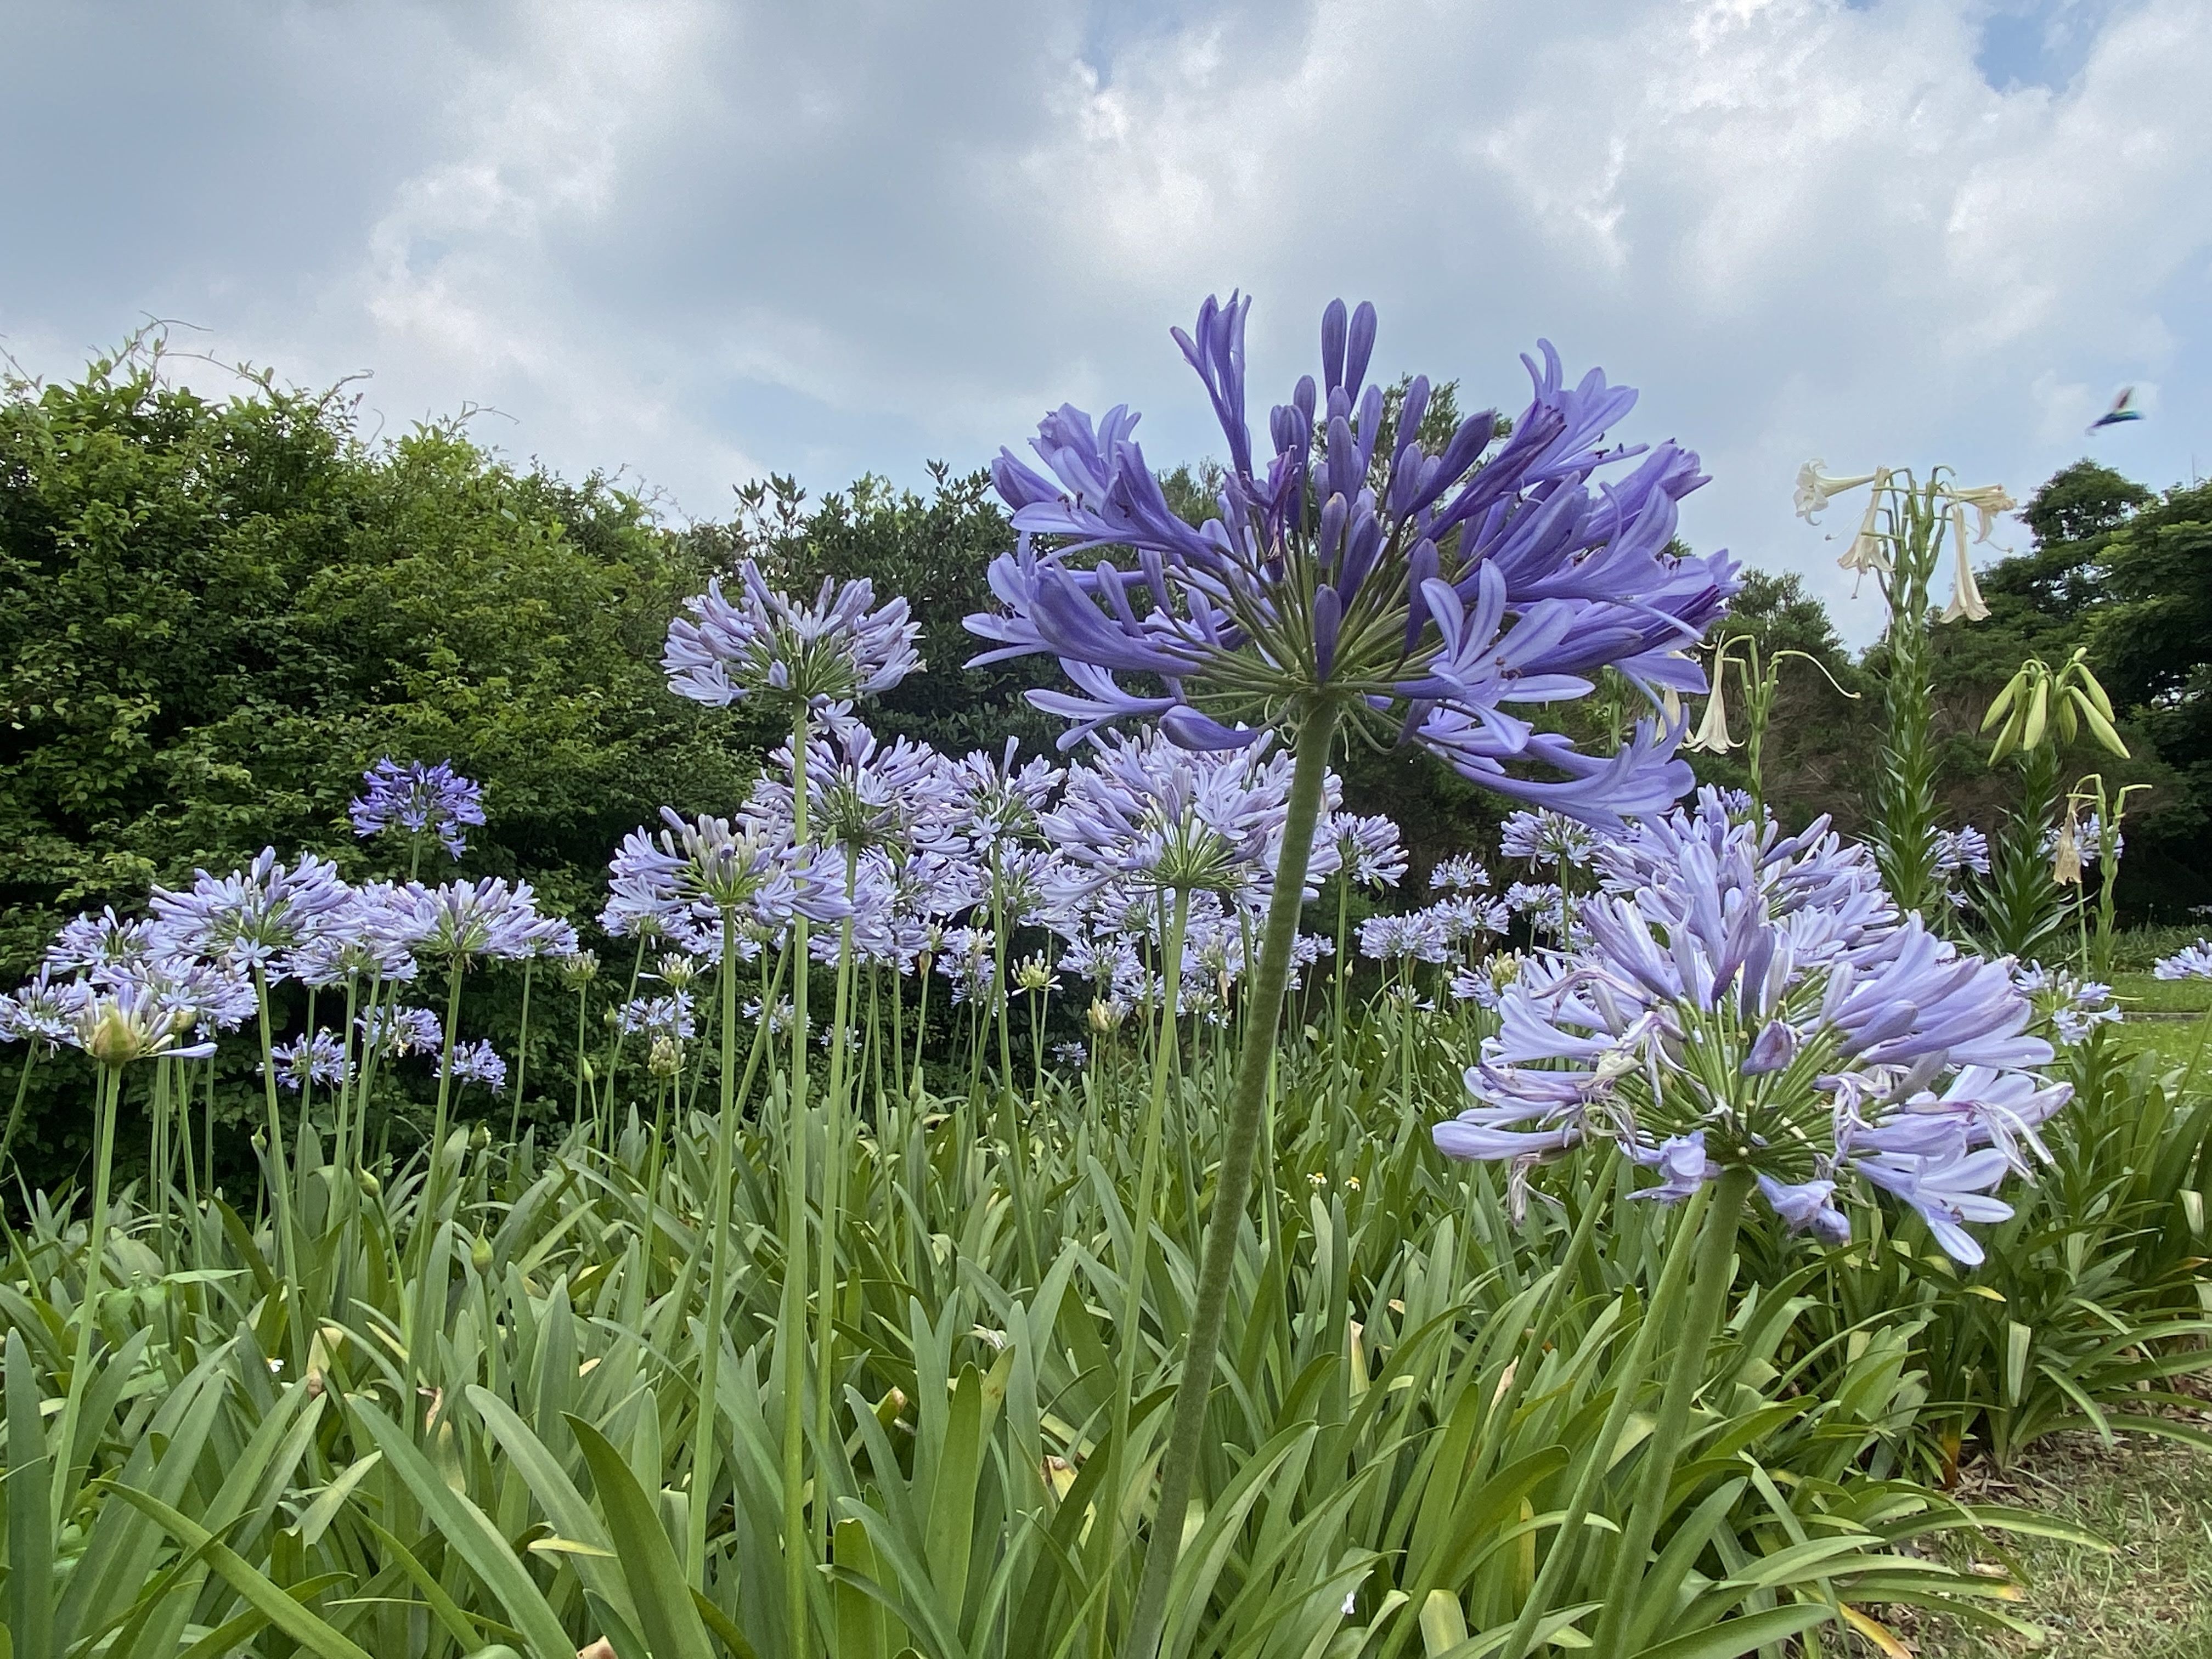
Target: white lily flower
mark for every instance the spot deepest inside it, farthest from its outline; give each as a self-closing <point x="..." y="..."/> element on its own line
<point x="1988" y="500"/>
<point x="1966" y="592"/>
<point x="1869" y="549"/>
<point x="1713" y="735"/>
<point x="1815" y="488"/>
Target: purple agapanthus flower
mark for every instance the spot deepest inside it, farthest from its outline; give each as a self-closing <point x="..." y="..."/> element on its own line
<point x="465" y="921"/>
<point x="683" y="881"/>
<point x="861" y="793"/>
<point x="1368" y="848"/>
<point x="1461" y="874"/>
<point x="1151" y="815"/>
<point x="418" y="803"/>
<point x="107" y="948"/>
<point x="1749" y="1000"/>
<point x="479" y="1062"/>
<point x="133" y="1021"/>
<point x="1425" y="595"/>
<point x="396" y="1032"/>
<point x="43" y="1009"/>
<point x="255" y="917"/>
<point x="764" y="645"/>
<point x="319" y="1059"/>
<point x="2191" y="962"/>
<point x="1544" y="838"/>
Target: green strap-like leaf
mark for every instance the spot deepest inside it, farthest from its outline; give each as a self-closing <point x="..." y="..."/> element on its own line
<point x="264" y="1597"/>
<point x="657" y="1587"/>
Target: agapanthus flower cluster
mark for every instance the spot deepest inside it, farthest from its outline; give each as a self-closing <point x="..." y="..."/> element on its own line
<point x="418" y="803"/>
<point x="765" y="645"/>
<point x="1368" y="849"/>
<point x="1748" y="1000"/>
<point x="1544" y="839"/>
<point x="43" y="1010"/>
<point x="2073" y="1007"/>
<point x="2191" y="962"/>
<point x="1424" y="594"/>
<point x="256" y="917"/>
<point x="396" y="1032"/>
<point x="319" y="1059"/>
<point x="462" y="922"/>
<point x="1461" y="874"/>
<point x="119" y="1025"/>
<point x="479" y="1062"/>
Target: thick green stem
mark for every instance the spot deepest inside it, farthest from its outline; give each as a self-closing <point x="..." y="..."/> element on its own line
<point x="87" y="1307"/>
<point x="1128" y="1334"/>
<point x="1209" y="1307"/>
<point x="833" y="1190"/>
<point x="521" y="1060"/>
<point x="1712" y="1274"/>
<point x="15" y="1112"/>
<point x="707" y="1442"/>
<point x="280" y="1182"/>
<point x="791" y="1321"/>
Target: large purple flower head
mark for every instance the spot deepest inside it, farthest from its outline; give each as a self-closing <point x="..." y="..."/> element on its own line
<point x="682" y="881"/>
<point x="1149" y="815"/>
<point x="1748" y="1000"/>
<point x="254" y="917"/>
<point x="43" y="1009"/>
<point x="1425" y="595"/>
<point x="766" y="645"/>
<point x="861" y="793"/>
<point x="319" y="1059"/>
<point x="467" y="921"/>
<point x="106" y="948"/>
<point x="418" y="803"/>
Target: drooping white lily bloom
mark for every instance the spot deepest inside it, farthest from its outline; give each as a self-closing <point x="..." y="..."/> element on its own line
<point x="1815" y="488"/>
<point x="1966" y="592"/>
<point x="1988" y="500"/>
<point x="1868" y="550"/>
<point x="1712" y="734"/>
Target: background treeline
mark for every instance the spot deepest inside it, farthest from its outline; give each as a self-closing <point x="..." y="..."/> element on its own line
<point x="214" y="613"/>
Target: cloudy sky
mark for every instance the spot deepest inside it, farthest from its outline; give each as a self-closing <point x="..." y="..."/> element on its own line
<point x="699" y="241"/>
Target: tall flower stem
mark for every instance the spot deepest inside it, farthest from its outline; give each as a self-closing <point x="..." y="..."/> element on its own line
<point x="1712" y="1272"/>
<point x="583" y="1007"/>
<point x="521" y="1058"/>
<point x="15" y="1112"/>
<point x="445" y="1092"/>
<point x="834" y="1130"/>
<point x="790" y="1317"/>
<point x="704" y="1452"/>
<point x="1316" y="726"/>
<point x="280" y="1179"/>
<point x="1905" y="798"/>
<point x="1129" y="1334"/>
<point x="87" y="1307"/>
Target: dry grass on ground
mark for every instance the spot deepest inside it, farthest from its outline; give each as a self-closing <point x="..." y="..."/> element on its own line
<point x="2150" y="1597"/>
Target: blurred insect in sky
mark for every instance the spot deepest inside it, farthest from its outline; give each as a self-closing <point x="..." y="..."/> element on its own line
<point x="2124" y="409"/>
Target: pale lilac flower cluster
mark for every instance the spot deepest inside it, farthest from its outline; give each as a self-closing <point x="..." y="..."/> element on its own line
<point x="767" y="646"/>
<point x="1544" y="839"/>
<point x="319" y="1059"/>
<point x="479" y="1062"/>
<point x="395" y="1032"/>
<point x="2073" y="1007"/>
<point x="1746" y="999"/>
<point x="418" y="803"/>
<point x="2191" y="962"/>
<point x="1428" y="595"/>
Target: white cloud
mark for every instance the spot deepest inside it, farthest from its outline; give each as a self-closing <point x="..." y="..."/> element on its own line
<point x="707" y="240"/>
